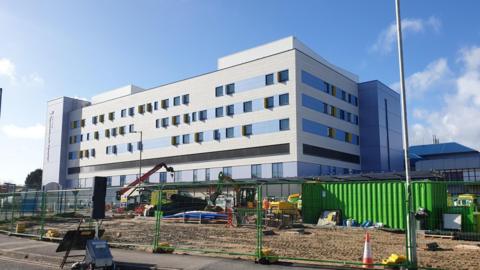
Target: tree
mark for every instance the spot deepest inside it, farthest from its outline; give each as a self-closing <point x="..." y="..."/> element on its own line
<point x="34" y="179"/>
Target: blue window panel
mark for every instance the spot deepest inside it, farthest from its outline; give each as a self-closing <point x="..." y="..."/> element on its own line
<point x="230" y="132"/>
<point x="257" y="105"/>
<point x="219" y="91"/>
<point x="219" y="112"/>
<point x="156" y="143"/>
<point x="237" y="131"/>
<point x="208" y="136"/>
<point x="186" y="138"/>
<point x="312" y="103"/>
<point x="238" y="108"/>
<point x="283" y="99"/>
<point x="283" y="76"/>
<point x="313" y="81"/>
<point x="269" y="79"/>
<point x="265" y="127"/>
<point x="250" y="84"/>
<point x="122" y="148"/>
<point x="314" y="127"/>
<point x="203" y="115"/>
<point x="210" y="113"/>
<point x="340" y="135"/>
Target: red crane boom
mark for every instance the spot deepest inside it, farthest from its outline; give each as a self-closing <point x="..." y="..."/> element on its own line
<point x="134" y="185"/>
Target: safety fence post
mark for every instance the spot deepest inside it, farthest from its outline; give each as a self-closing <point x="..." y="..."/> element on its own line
<point x="258" y="251"/>
<point x="13" y="211"/>
<point x="42" y="214"/>
<point x="158" y="219"/>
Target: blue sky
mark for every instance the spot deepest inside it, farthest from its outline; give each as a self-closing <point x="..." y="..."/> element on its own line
<point x="66" y="48"/>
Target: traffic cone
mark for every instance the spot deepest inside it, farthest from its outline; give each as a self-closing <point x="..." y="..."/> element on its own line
<point x="367" y="253"/>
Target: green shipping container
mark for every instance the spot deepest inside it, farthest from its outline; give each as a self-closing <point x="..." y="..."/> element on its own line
<point x="377" y="201"/>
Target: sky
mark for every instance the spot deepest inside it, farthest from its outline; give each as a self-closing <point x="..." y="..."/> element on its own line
<point x="81" y="48"/>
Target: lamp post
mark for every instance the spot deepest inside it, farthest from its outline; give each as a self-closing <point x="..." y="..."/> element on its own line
<point x="410" y="220"/>
<point x="141" y="150"/>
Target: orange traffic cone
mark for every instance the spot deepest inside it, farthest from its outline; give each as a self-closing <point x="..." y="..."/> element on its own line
<point x="367" y="253"/>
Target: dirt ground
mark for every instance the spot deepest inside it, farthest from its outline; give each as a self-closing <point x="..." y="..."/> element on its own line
<point x="333" y="244"/>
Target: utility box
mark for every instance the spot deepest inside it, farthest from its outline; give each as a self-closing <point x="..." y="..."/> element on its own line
<point x="98" y="253"/>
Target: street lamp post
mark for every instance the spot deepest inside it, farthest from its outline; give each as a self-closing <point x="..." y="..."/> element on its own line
<point x="410" y="219"/>
<point x="140" y="146"/>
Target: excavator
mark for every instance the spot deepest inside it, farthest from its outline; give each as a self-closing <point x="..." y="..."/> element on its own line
<point x="244" y="196"/>
<point x="125" y="193"/>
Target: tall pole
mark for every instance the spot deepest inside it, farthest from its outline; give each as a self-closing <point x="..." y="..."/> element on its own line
<point x="141" y="150"/>
<point x="411" y="232"/>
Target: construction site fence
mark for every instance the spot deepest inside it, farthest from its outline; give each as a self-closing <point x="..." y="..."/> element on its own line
<point x="329" y="227"/>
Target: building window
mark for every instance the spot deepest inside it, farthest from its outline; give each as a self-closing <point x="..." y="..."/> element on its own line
<point x="175" y="140"/>
<point x="247" y="106"/>
<point x="131" y="111"/>
<point x="123" y="113"/>
<point x="176" y="120"/>
<point x="227" y="171"/>
<point x="219" y="91"/>
<point x="355" y="119"/>
<point x="219" y="112"/>
<point x="268" y="102"/>
<point x="165" y="104"/>
<point x="96" y="135"/>
<point x="348" y="137"/>
<point x="88" y="136"/>
<point x="283" y="99"/>
<point x="207" y="174"/>
<point x="256" y="171"/>
<point x="229" y="132"/>
<point x="130" y="147"/>
<point x="155" y="105"/>
<point x="131" y="128"/>
<point x="334" y="90"/>
<point x="111" y="116"/>
<point x="333" y="111"/>
<point x="349" y="117"/>
<point x="343" y="95"/>
<point x="194" y="116"/>
<point x="94" y="120"/>
<point x="284" y="124"/>
<point x="186" y="139"/>
<point x="92" y="152"/>
<point x="202" y="115"/>
<point x="178" y="176"/>
<point x="186" y="99"/>
<point x="199" y="137"/>
<point x="157" y="123"/>
<point x="165" y="122"/>
<point x="283" y="76"/>
<point x="277" y="170"/>
<point x="325" y="108"/>
<point x="216" y="135"/>
<point x="230" y="89"/>
<point x="163" y="177"/>
<point x="141" y="109"/>
<point x="121" y="130"/>
<point x="140" y="146"/>
<point x="247" y="130"/>
<point x="186" y="118"/>
<point x="230" y="110"/>
<point x="101" y="118"/>
<point x="149" y="107"/>
<point x="331" y="132"/>
<point x="269" y="79"/>
<point x="176" y="101"/>
<point x="342" y="114"/>
<point x="195" y="175"/>
<point x="82" y="123"/>
<point x="107" y="133"/>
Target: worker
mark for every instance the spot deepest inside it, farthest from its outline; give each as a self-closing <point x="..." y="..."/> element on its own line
<point x="265" y="204"/>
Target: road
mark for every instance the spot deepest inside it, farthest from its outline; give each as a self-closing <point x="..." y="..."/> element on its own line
<point x="24" y="253"/>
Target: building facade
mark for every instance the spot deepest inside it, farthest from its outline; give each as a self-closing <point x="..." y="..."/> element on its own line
<point x="278" y="110"/>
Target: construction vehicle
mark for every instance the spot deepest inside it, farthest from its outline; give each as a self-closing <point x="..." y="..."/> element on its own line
<point x="132" y="189"/>
<point x="282" y="214"/>
<point x="244" y="196"/>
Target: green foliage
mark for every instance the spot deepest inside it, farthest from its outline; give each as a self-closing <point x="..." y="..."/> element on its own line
<point x="34" y="179"/>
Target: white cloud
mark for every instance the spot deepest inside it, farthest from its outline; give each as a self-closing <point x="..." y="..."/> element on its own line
<point x="32" y="132"/>
<point x="7" y="68"/>
<point x="420" y="82"/>
<point x="386" y="39"/>
<point x="458" y="118"/>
